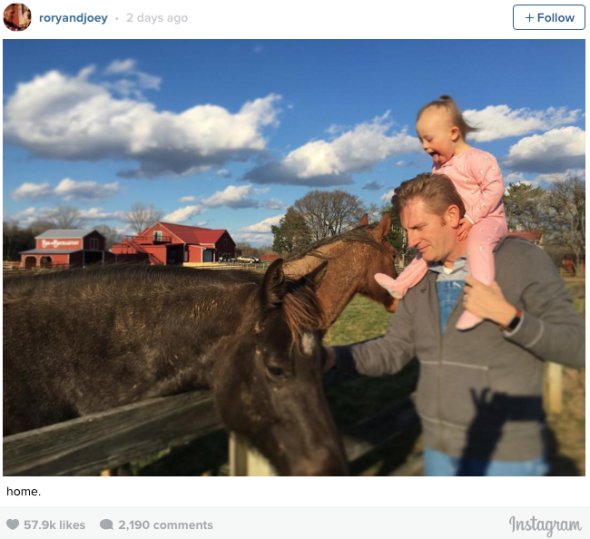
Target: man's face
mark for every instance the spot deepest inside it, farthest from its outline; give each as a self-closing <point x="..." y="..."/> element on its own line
<point x="433" y="235"/>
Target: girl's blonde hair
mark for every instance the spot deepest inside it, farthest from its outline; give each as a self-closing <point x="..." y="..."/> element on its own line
<point x="446" y="102"/>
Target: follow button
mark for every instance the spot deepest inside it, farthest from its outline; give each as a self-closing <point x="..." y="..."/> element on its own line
<point x="549" y="17"/>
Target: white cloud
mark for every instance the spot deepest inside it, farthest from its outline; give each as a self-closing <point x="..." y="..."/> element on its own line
<point x="72" y="190"/>
<point x="223" y="173"/>
<point x="324" y="163"/>
<point x="272" y="204"/>
<point x="32" y="190"/>
<point x="68" y="189"/>
<point x="554" y="151"/>
<point x="56" y="116"/>
<point x="120" y="66"/>
<point x="137" y="80"/>
<point x="86" y="217"/>
<point x="98" y="214"/>
<point x="571" y="173"/>
<point x="500" y="121"/>
<point x="233" y="197"/>
<point x="184" y="214"/>
<point x="387" y="196"/>
<point x="187" y="199"/>
<point x="263" y="227"/>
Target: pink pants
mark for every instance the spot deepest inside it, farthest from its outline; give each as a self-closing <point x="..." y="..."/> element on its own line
<point x="481" y="240"/>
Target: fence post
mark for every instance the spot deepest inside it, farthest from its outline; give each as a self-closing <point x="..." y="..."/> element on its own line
<point x="553" y="388"/>
<point x="244" y="460"/>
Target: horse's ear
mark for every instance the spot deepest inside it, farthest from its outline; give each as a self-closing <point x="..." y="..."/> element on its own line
<point x="314" y="278"/>
<point x="364" y="220"/>
<point x="274" y="287"/>
<point x="384" y="225"/>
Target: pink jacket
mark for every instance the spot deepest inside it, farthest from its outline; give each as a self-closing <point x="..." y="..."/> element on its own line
<point x="478" y="180"/>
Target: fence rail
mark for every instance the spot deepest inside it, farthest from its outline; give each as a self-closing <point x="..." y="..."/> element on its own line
<point x="93" y="443"/>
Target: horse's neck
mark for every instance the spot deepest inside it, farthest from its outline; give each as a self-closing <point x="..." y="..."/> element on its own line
<point x="346" y="270"/>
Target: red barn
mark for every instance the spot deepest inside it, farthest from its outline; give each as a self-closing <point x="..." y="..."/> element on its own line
<point x="169" y="244"/>
<point x="67" y="248"/>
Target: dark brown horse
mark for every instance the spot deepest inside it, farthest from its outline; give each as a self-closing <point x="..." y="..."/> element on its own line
<point x="354" y="259"/>
<point x="83" y="341"/>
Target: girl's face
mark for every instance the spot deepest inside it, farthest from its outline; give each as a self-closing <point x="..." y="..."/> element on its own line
<point x="437" y="134"/>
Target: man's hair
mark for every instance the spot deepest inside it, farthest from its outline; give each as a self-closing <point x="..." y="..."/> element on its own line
<point x="437" y="190"/>
<point x="447" y="103"/>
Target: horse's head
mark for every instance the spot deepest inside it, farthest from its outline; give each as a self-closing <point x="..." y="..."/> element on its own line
<point x="273" y="394"/>
<point x="381" y="261"/>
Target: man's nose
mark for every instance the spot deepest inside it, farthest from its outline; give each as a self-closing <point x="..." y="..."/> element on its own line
<point x="413" y="239"/>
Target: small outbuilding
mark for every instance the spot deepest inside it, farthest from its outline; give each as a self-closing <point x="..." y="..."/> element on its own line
<point x="67" y="248"/>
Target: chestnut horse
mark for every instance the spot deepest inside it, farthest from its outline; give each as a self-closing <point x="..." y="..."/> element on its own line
<point x="354" y="258"/>
<point x="80" y="342"/>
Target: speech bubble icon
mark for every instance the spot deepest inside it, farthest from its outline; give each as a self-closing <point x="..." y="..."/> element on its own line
<point x="106" y="524"/>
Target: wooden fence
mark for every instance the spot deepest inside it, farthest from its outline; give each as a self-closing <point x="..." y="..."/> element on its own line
<point x="93" y="443"/>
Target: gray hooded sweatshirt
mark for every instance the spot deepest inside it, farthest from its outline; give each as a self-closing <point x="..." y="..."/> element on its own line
<point x="480" y="391"/>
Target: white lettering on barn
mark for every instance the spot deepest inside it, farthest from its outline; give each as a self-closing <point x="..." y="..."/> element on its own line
<point x="58" y="243"/>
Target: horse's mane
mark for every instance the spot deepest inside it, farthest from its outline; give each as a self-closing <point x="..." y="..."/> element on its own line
<point x="302" y="309"/>
<point x="360" y="234"/>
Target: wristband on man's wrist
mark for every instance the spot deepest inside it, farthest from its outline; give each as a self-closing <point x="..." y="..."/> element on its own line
<point x="513" y="324"/>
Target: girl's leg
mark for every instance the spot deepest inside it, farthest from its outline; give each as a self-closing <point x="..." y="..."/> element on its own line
<point x="408" y="278"/>
<point x="482" y="239"/>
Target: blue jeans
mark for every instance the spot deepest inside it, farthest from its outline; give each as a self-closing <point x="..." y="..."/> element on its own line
<point x="441" y="464"/>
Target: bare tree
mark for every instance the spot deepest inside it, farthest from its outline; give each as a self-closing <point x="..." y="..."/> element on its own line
<point x="66" y="217"/>
<point x="567" y="205"/>
<point x="327" y="213"/>
<point x="141" y="216"/>
<point x="526" y="207"/>
<point x="110" y="234"/>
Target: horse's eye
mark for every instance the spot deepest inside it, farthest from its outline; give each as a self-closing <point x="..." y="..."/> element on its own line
<point x="275" y="371"/>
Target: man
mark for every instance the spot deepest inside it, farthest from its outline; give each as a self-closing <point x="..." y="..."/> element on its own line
<point x="480" y="392"/>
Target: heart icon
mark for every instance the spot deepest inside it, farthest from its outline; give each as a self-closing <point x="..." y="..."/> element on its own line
<point x="12" y="523"/>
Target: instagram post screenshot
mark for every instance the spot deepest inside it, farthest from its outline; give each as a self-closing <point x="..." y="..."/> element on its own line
<point x="294" y="268"/>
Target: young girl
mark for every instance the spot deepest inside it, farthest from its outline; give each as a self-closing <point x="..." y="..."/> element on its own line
<point x="477" y="178"/>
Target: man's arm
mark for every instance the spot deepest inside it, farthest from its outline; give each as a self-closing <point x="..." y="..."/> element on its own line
<point x="384" y="355"/>
<point x="550" y="327"/>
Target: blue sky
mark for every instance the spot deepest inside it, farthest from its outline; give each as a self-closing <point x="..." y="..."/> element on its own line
<point x="228" y="134"/>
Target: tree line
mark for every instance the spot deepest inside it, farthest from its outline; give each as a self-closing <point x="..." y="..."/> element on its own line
<point x="558" y="212"/>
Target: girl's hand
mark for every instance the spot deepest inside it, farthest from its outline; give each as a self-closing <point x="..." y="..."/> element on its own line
<point x="464" y="228"/>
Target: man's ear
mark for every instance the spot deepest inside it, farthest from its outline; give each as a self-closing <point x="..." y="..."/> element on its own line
<point x="455" y="133"/>
<point x="453" y="215"/>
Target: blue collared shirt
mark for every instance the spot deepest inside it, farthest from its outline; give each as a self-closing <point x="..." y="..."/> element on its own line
<point x="449" y="285"/>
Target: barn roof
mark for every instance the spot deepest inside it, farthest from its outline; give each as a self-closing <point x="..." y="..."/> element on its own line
<point x="50" y="251"/>
<point x="67" y="233"/>
<point x="532" y="235"/>
<point x="194" y="234"/>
